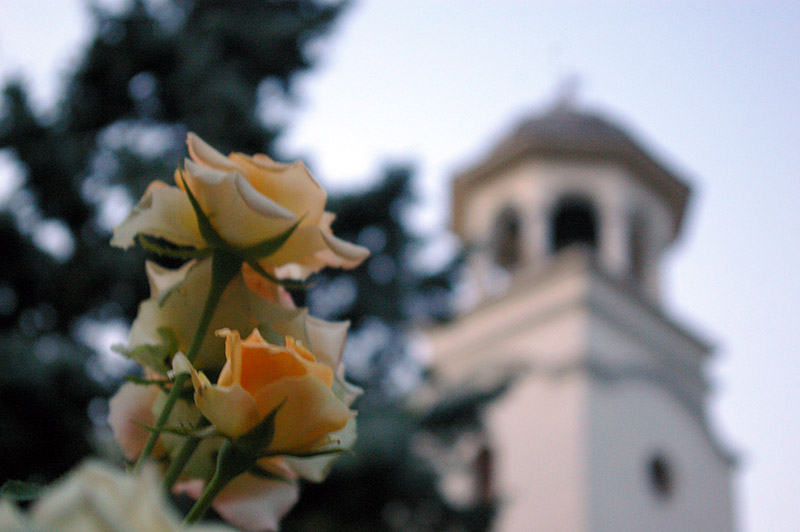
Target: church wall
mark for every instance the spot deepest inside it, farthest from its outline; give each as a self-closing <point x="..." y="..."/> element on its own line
<point x="538" y="432"/>
<point x="627" y="338"/>
<point x="538" y="325"/>
<point x="631" y="423"/>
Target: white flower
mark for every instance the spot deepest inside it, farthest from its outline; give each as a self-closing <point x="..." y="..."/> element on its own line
<point x="98" y="498"/>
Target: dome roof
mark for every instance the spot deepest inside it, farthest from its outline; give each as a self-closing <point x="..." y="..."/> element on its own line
<point x="565" y="133"/>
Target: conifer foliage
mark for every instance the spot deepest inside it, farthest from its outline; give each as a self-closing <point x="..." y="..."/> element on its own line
<point x="150" y="73"/>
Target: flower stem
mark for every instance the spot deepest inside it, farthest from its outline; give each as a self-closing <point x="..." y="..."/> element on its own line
<point x="232" y="461"/>
<point x="179" y="462"/>
<point x="224" y="267"/>
<point x="206" y="498"/>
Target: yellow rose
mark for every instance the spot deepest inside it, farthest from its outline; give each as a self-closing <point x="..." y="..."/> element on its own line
<point x="260" y="378"/>
<point x="176" y="302"/>
<point x="248" y="200"/>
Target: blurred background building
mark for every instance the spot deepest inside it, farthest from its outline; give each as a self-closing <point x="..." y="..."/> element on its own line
<point x="605" y="428"/>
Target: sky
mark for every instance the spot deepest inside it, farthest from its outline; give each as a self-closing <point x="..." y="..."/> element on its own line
<point x="710" y="87"/>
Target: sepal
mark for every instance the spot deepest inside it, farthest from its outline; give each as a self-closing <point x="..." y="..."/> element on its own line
<point x="207" y="231"/>
<point x="259" y="438"/>
<point x="267" y="247"/>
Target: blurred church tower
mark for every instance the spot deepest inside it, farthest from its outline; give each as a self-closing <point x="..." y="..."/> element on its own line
<point x="605" y="428"/>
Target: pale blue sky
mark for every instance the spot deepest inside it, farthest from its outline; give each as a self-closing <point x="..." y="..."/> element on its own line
<point x="711" y="87"/>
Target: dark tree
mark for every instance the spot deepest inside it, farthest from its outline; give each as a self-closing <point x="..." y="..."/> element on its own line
<point x="147" y="77"/>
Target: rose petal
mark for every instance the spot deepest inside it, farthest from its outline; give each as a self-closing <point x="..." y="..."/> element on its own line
<point x="230" y="408"/>
<point x="203" y="153"/>
<point x="309" y="411"/>
<point x="326" y="339"/>
<point x="350" y="255"/>
<point x="290" y="185"/>
<point x="260" y="203"/>
<point x="258" y="284"/>
<point x="301" y="246"/>
<point x="163" y="280"/>
<point x="237" y="212"/>
<point x="163" y="212"/>
<point x="11" y="519"/>
<point x="256" y="503"/>
<point x="317" y="468"/>
<point x="181" y="307"/>
<point x="128" y="409"/>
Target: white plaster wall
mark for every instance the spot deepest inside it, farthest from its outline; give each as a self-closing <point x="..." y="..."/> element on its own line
<point x="539" y="433"/>
<point x="629" y="422"/>
<point x="622" y="334"/>
<point x="543" y="325"/>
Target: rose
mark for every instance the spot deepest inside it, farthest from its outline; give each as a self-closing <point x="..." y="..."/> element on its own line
<point x="175" y="306"/>
<point x="176" y="302"/>
<point x="278" y="409"/>
<point x="98" y="498"/>
<point x="260" y="379"/>
<point x="248" y="200"/>
<point x="250" y="501"/>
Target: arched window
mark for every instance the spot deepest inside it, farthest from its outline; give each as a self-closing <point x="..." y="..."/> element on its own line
<point x="506" y="239"/>
<point x="660" y="476"/>
<point x="574" y="222"/>
<point x="483" y="474"/>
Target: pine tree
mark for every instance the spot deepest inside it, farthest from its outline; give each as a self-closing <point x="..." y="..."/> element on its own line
<point x="145" y="79"/>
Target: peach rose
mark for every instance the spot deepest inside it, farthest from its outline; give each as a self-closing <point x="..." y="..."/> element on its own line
<point x="251" y="501"/>
<point x="260" y="378"/>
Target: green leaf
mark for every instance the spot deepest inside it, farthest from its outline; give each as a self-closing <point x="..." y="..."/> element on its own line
<point x="154" y="356"/>
<point x="269" y="246"/>
<point x="21" y="491"/>
<point x="170" y="340"/>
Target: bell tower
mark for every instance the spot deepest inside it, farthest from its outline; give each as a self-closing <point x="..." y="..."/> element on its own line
<point x="605" y="428"/>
